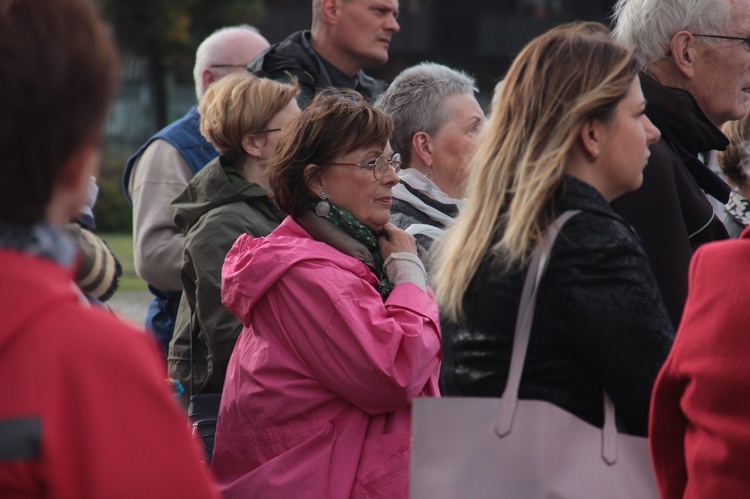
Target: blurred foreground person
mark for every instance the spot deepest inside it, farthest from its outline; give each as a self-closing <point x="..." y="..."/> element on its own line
<point x="436" y="123"/>
<point x="85" y="411"/>
<point x="341" y="331"/>
<point x="568" y="132"/>
<point x="241" y="116"/>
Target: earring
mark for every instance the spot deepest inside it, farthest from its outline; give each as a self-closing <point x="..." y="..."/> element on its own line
<point x="430" y="185"/>
<point x="323" y="207"/>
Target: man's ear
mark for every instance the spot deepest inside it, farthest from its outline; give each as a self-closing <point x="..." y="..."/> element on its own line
<point x="329" y="10"/>
<point x="683" y="53"/>
<point x="591" y="138"/>
<point x="314" y="179"/>
<point x="207" y="78"/>
<point x="421" y="145"/>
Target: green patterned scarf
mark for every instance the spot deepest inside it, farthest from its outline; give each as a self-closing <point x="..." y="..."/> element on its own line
<point x="344" y="220"/>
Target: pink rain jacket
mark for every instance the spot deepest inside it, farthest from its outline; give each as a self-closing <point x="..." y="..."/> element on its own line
<point x="317" y="398"/>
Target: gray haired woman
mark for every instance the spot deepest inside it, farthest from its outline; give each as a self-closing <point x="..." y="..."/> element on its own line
<point x="436" y="121"/>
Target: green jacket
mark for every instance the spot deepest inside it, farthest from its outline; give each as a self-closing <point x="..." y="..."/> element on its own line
<point x="217" y="206"/>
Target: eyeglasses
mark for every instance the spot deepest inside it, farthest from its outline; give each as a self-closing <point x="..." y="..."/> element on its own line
<point x="378" y="167"/>
<point x="269" y="130"/>
<point x="745" y="41"/>
<point x="244" y="66"/>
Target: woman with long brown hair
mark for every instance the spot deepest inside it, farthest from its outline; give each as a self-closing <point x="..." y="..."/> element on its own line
<point x="567" y="132"/>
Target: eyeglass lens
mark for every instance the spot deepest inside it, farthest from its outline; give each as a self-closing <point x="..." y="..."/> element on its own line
<point x="381" y="164"/>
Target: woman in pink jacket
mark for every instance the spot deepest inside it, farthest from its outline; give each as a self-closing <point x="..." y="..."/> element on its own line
<point x="340" y="329"/>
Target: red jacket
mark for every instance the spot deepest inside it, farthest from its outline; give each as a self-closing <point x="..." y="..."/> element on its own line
<point x="700" y="413"/>
<point x="85" y="411"/>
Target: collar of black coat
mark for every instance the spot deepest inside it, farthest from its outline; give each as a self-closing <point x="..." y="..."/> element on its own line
<point x="296" y="57"/>
<point x="575" y="194"/>
<point x="680" y="118"/>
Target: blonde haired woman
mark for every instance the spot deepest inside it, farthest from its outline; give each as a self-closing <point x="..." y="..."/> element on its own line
<point x="241" y="116"/>
<point x="567" y="132"/>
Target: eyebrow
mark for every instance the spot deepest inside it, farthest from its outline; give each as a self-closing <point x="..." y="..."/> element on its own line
<point x="384" y="6"/>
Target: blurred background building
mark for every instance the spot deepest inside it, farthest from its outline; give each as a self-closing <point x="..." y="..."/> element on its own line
<point x="478" y="36"/>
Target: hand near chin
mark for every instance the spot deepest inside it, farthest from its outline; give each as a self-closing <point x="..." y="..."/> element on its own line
<point x="394" y="240"/>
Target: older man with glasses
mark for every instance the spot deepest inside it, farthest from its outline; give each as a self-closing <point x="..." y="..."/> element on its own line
<point x="696" y="77"/>
<point x="161" y="169"/>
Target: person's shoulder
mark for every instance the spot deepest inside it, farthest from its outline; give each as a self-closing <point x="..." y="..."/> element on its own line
<point x="286" y="60"/>
<point x="220" y="227"/>
<point x="730" y="253"/>
<point x="371" y="87"/>
<point x="404" y="214"/>
<point x="598" y="230"/>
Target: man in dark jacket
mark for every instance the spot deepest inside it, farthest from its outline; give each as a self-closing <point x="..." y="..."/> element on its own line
<point x="346" y="37"/>
<point x="697" y="77"/>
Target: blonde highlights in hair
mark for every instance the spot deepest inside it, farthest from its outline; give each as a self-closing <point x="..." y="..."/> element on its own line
<point x="562" y="79"/>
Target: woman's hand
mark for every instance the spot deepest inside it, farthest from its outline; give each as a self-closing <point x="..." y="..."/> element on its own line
<point x="394" y="240"/>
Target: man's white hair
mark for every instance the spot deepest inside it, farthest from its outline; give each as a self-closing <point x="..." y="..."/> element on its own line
<point x="647" y="26"/>
<point x="212" y="51"/>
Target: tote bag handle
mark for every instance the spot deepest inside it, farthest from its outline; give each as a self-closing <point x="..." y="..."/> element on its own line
<point x="509" y="400"/>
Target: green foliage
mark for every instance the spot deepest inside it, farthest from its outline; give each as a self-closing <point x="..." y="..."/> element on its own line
<point x="122" y="246"/>
<point x="167" y="33"/>
<point x="112" y="211"/>
<point x="172" y="27"/>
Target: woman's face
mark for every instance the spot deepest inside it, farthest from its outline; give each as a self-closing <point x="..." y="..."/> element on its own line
<point x="624" y="150"/>
<point x="455" y="142"/>
<point x="355" y="189"/>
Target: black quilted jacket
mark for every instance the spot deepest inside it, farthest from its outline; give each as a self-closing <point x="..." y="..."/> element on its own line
<point x="295" y="57"/>
<point x="599" y="321"/>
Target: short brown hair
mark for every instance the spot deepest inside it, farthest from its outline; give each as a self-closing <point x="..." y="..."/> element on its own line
<point x="58" y="74"/>
<point x="240" y="104"/>
<point x="337" y="122"/>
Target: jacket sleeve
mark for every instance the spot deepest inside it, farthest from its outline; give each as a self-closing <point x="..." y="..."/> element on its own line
<point x="160" y="175"/>
<point x="621" y="330"/>
<point x="379" y="356"/>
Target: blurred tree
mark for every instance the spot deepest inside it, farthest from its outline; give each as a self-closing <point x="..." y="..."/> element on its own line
<point x="167" y="33"/>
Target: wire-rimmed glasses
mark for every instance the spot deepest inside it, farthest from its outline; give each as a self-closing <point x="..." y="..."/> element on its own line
<point x="379" y="166"/>
<point x="745" y="41"/>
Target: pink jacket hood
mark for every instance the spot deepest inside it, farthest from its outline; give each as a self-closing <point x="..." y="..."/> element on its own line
<point x="264" y="260"/>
